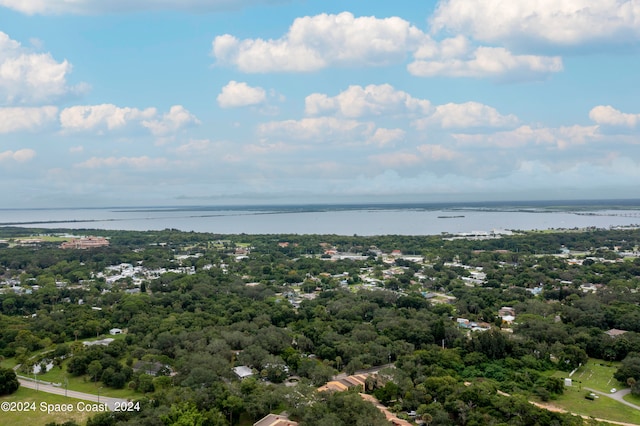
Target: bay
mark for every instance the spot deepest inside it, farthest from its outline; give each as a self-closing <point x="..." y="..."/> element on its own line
<point x="340" y="220"/>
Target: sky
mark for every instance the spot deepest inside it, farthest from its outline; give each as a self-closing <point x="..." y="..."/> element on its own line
<point x="207" y="102"/>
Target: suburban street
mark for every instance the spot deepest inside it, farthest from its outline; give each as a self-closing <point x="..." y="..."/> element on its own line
<point x="42" y="387"/>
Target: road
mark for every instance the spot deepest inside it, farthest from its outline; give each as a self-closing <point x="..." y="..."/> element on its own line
<point x="42" y="387"/>
<point x="618" y="396"/>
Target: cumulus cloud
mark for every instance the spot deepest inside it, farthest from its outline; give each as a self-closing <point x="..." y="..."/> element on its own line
<point x="437" y="153"/>
<point x="465" y="115"/>
<point x="321" y="129"/>
<point x="383" y="137"/>
<point x="46" y="7"/>
<point x="395" y="159"/>
<point x="104" y="116"/>
<point x="372" y="100"/>
<point x="316" y="42"/>
<point x="487" y="62"/>
<point x="236" y="94"/>
<point x="608" y="115"/>
<point x="560" y="137"/>
<point x="111" y="117"/>
<point x="25" y="118"/>
<point x="567" y="22"/>
<point x="177" y="118"/>
<point x="143" y="162"/>
<point x="19" y="156"/>
<point x="27" y="77"/>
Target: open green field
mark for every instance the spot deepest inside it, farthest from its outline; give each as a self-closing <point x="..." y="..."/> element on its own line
<point x="598" y="375"/>
<point x="38" y="417"/>
<point x="8" y="363"/>
<point x="573" y="400"/>
<point x="81" y="384"/>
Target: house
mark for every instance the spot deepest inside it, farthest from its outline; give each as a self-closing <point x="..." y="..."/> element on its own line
<point x="614" y="332"/>
<point x="506" y="311"/>
<point x="391" y="418"/>
<point x="275" y="420"/>
<point x="344" y="384"/>
<point x="243" y="371"/>
<point x="115" y="331"/>
<point x="151" y="368"/>
<point x="102" y="342"/>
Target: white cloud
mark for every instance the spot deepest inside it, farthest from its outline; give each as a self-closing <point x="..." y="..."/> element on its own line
<point x="395" y="159"/>
<point x="143" y="162"/>
<point x="465" y="115"/>
<point x="437" y="153"/>
<point x="19" y="156"/>
<point x="561" y="137"/>
<point x="316" y="42"/>
<point x="321" y="129"/>
<point x="566" y="22"/>
<point x="27" y="77"/>
<point x="487" y="62"/>
<point x="177" y="118"/>
<point x="24" y="118"/>
<point x="45" y="7"/>
<point x="236" y="94"/>
<point x="384" y="137"/>
<point x="610" y="116"/>
<point x="109" y="116"/>
<point x="358" y="101"/>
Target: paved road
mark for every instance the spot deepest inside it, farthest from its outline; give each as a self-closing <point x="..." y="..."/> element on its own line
<point x="618" y="396"/>
<point x="41" y="387"/>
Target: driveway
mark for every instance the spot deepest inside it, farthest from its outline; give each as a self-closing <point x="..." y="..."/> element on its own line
<point x="618" y="396"/>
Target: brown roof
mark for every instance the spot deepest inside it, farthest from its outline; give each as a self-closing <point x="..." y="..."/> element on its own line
<point x="275" y="420"/>
<point x="396" y="421"/>
<point x="614" y="332"/>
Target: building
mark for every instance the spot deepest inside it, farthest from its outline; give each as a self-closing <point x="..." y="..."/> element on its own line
<point x="614" y="332"/>
<point x="85" y="243"/>
<point x="242" y="371"/>
<point x="275" y="420"/>
<point x="152" y="368"/>
<point x="344" y="384"/>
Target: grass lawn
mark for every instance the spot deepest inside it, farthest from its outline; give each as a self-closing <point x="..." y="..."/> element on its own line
<point x="634" y="399"/>
<point x="58" y="375"/>
<point x="573" y="400"/>
<point x="8" y="363"/>
<point x="37" y="417"/>
<point x="45" y="238"/>
<point x="596" y="374"/>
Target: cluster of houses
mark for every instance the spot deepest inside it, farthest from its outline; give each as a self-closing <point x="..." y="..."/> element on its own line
<point x="138" y="273"/>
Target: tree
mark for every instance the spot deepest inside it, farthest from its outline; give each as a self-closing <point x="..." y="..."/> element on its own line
<point x="630" y="368"/>
<point x="8" y="381"/>
<point x="94" y="369"/>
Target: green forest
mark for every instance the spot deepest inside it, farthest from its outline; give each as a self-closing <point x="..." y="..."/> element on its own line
<point x="444" y="331"/>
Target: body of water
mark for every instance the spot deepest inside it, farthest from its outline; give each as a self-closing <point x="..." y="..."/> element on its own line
<point x="341" y="220"/>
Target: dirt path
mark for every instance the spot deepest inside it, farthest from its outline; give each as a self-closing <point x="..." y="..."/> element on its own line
<point x="551" y="407"/>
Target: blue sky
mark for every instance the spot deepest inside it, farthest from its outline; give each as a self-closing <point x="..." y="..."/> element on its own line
<point x="164" y="102"/>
